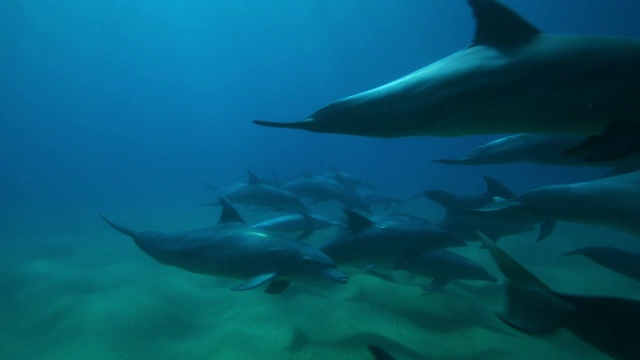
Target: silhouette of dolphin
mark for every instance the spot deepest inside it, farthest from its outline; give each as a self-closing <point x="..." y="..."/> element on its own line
<point x="612" y="325"/>
<point x="612" y="201"/>
<point x="511" y="79"/>
<point x="621" y="261"/>
<point x="541" y="149"/>
<point x="233" y="249"/>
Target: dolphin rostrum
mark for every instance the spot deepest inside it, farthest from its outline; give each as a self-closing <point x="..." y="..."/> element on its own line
<point x="236" y="250"/>
<point x="512" y="78"/>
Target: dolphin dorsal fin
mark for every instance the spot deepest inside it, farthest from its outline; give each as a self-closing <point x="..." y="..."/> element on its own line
<point x="253" y="179"/>
<point x="500" y="27"/>
<point x="495" y="188"/>
<point x="229" y="213"/>
<point x="357" y="222"/>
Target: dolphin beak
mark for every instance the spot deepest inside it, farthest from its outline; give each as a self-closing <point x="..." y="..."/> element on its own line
<point x="335" y="275"/>
<point x="304" y="124"/>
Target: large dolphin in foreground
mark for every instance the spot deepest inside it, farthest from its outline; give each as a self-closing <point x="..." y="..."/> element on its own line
<point x="611" y="325"/>
<point x="612" y="201"/>
<point x="233" y="249"/>
<point x="511" y="79"/>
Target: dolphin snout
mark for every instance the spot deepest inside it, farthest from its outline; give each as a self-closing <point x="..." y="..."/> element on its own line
<point x="335" y="275"/>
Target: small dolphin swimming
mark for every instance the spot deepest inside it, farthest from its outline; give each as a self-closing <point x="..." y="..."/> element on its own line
<point x="254" y="192"/>
<point x="612" y="201"/>
<point x="385" y="239"/>
<point x="623" y="262"/>
<point x="611" y="325"/>
<point x="512" y="78"/>
<point x="541" y="149"/>
<point x="463" y="221"/>
<point x="233" y="249"/>
<point x="442" y="265"/>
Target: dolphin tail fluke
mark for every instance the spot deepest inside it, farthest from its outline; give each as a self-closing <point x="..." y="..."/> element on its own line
<point x="121" y="229"/>
<point x="304" y="124"/>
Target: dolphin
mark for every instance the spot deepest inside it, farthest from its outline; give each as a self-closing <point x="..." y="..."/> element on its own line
<point x="320" y="189"/>
<point x="305" y="222"/>
<point x="609" y="324"/>
<point x="512" y="78"/>
<point x="621" y="261"/>
<point x="541" y="149"/>
<point x="463" y="221"/>
<point x="256" y="193"/>
<point x="233" y="249"/>
<point x="441" y="265"/>
<point x="385" y="239"/>
<point x="612" y="201"/>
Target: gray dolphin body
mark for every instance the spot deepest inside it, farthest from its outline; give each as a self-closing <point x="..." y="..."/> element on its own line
<point x="541" y="149"/>
<point x="441" y="265"/>
<point x="612" y="201"/>
<point x="611" y="325"/>
<point x="304" y="222"/>
<point x="233" y="249"/>
<point x="386" y="239"/>
<point x="512" y="79"/>
<point x="256" y="193"/>
<point x="320" y="189"/>
<point x="621" y="261"/>
<point x="463" y="221"/>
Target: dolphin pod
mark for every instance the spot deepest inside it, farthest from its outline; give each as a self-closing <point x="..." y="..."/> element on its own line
<point x="512" y="78"/>
<point x="233" y="249"/>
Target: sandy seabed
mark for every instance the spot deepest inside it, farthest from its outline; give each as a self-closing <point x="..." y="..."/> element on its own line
<point x="108" y="300"/>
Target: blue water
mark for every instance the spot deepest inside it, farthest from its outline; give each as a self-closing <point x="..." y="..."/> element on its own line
<point x="129" y="107"/>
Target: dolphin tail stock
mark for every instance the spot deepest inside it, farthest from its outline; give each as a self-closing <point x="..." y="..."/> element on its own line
<point x="122" y="229"/>
<point x="533" y="307"/>
<point x="304" y="124"/>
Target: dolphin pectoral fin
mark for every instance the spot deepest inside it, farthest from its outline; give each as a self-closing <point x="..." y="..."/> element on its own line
<point x="532" y="310"/>
<point x="437" y="284"/>
<point x="305" y="234"/>
<point x="546" y="228"/>
<point x="616" y="142"/>
<point x="304" y="124"/>
<point x="254" y="282"/>
<point x="277" y="286"/>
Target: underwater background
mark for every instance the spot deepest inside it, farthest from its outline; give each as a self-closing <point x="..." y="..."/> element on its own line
<point x="128" y="108"/>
